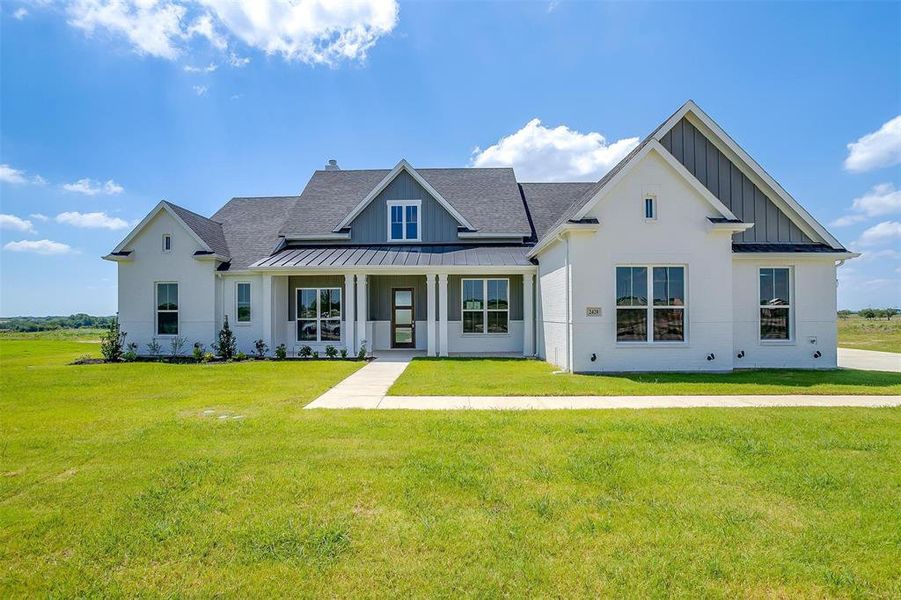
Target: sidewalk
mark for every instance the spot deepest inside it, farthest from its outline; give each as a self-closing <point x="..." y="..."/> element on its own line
<point x="869" y="360"/>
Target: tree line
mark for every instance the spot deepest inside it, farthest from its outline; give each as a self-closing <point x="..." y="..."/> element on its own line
<point x="870" y="313"/>
<point x="76" y="321"/>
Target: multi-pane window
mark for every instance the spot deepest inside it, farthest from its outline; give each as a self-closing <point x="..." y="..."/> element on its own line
<point x="662" y="319"/>
<point x="318" y="314"/>
<point x="242" y="298"/>
<point x="403" y="220"/>
<point x="775" y="304"/>
<point x="167" y="309"/>
<point x="486" y="305"/>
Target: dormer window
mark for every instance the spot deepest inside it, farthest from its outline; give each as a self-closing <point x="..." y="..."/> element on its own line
<point x="403" y="220"/>
<point x="167" y="242"/>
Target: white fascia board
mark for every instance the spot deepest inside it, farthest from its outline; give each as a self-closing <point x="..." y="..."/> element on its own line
<point x="732" y="150"/>
<point x="306" y="237"/>
<point x="485" y="236"/>
<point x="218" y="257"/>
<point x="657" y="147"/>
<point x="140" y="226"/>
<point x="119" y="258"/>
<point x="558" y="232"/>
<point x="733" y="227"/>
<point x="804" y="256"/>
<point x="403" y="165"/>
<point x="395" y="270"/>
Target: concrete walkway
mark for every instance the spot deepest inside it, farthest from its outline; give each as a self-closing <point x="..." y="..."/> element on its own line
<point x="869" y="360"/>
<point x="367" y="387"/>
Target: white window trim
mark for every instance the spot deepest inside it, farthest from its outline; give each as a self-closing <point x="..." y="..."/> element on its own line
<point x="319" y="317"/>
<point x="156" y="310"/>
<point x="238" y="320"/>
<point x="649" y="340"/>
<point x="791" y="308"/>
<point x="405" y="203"/>
<point x="485" y="310"/>
<point x="163" y="243"/>
<point x="644" y="210"/>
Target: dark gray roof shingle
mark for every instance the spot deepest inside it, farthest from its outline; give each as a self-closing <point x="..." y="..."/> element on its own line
<point x="487" y="198"/>
<point x="251" y="225"/>
<point x="206" y="229"/>
<point x="547" y="201"/>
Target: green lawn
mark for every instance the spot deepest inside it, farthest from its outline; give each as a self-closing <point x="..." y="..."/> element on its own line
<point x="519" y="377"/>
<point x="116" y="481"/>
<point x="870" y="334"/>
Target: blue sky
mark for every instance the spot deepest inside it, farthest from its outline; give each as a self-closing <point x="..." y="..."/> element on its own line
<point x="105" y="110"/>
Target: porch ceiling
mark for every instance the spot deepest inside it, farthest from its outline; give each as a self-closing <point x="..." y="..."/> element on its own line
<point x="398" y="256"/>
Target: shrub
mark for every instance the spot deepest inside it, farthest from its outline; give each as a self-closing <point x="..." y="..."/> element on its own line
<point x="316" y="354"/>
<point x="154" y="348"/>
<point x="208" y="357"/>
<point x="343" y="352"/>
<point x="176" y="345"/>
<point x="281" y="352"/>
<point x="261" y="348"/>
<point x="227" y="345"/>
<point x="240" y="356"/>
<point x="867" y="313"/>
<point x="844" y="314"/>
<point x="305" y="352"/>
<point x="111" y="341"/>
<point x="361" y="353"/>
<point x="131" y="354"/>
<point x="199" y="351"/>
<point x="331" y="351"/>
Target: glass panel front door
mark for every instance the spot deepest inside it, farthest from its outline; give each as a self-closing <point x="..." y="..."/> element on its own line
<point x="403" y="319"/>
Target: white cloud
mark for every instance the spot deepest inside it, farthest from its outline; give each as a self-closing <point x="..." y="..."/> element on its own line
<point x="200" y="90"/>
<point x="14" y="222"/>
<point x="38" y="180"/>
<point x="875" y="150"/>
<point x="310" y="31"/>
<point x="883" y="199"/>
<point x="238" y="61"/>
<point x="539" y="153"/>
<point x="207" y="69"/>
<point x="38" y="216"/>
<point x="93" y="220"/>
<point x="11" y="175"/>
<point x="20" y="13"/>
<point x="886" y="231"/>
<point x="89" y="187"/>
<point x="45" y="247"/>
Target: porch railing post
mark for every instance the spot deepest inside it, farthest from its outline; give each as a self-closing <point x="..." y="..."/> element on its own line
<point x="349" y="337"/>
<point x="430" y="313"/>
<point x="442" y="314"/>
<point x="362" y="313"/>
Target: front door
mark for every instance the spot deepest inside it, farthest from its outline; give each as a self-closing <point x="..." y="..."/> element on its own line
<point x="403" y="319"/>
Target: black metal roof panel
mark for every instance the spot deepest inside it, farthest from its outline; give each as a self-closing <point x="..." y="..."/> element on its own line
<point x="344" y="256"/>
<point x="778" y="247"/>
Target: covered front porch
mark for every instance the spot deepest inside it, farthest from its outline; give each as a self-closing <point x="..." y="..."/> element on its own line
<point x="432" y="314"/>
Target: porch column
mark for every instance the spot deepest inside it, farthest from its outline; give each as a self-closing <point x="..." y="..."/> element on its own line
<point x="430" y="313"/>
<point x="267" y="311"/>
<point x="362" y="312"/>
<point x="442" y="314"/>
<point x="349" y="337"/>
<point x="528" y="316"/>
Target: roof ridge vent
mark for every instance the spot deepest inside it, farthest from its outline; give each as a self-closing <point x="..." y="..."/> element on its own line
<point x="332" y="165"/>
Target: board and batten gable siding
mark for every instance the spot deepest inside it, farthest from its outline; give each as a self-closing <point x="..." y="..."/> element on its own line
<point x="726" y="181"/>
<point x="371" y="225"/>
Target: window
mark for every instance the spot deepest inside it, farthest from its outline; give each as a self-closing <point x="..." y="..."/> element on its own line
<point x="775" y="304"/>
<point x="242" y="301"/>
<point x="318" y="314"/>
<point x="662" y="319"/>
<point x="486" y="305"/>
<point x="650" y="207"/>
<point x="167" y="242"/>
<point x="403" y="220"/>
<point x="167" y="309"/>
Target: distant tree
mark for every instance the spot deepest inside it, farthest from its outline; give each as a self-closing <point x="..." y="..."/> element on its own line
<point x="888" y="313"/>
<point x="867" y="313"/>
<point x="844" y="314"/>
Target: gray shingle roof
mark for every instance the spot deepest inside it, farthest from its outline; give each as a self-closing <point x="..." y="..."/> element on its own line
<point x="206" y="229"/>
<point x="487" y="198"/>
<point x="251" y="225"/>
<point x="547" y="201"/>
<point x="408" y="256"/>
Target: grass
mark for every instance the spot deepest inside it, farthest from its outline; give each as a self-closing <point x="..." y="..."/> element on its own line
<point x="519" y="377"/>
<point x="116" y="481"/>
<point x="870" y="334"/>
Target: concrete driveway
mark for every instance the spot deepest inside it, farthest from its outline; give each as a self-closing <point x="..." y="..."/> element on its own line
<point x="869" y="360"/>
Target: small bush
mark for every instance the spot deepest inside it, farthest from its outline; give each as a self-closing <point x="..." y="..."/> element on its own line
<point x="343" y="352"/>
<point x="208" y="357"/>
<point x="240" y="356"/>
<point x="227" y="345"/>
<point x="331" y="351"/>
<point x="315" y="354"/>
<point x="131" y="354"/>
<point x="361" y="353"/>
<point x="199" y="351"/>
<point x="261" y="348"/>
<point x="154" y="348"/>
<point x="177" y="345"/>
<point x="112" y="341"/>
<point x="305" y="352"/>
<point x="281" y="352"/>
